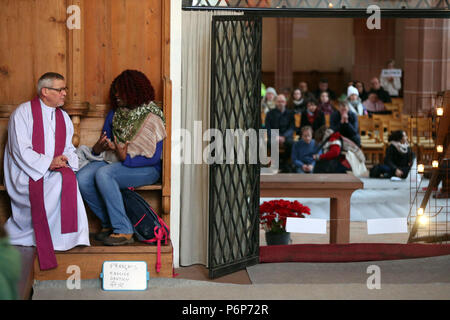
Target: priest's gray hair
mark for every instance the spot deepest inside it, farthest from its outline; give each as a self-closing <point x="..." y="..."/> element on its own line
<point x="46" y="80"/>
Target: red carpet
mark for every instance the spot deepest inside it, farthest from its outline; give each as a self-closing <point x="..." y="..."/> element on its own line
<point x="350" y="252"/>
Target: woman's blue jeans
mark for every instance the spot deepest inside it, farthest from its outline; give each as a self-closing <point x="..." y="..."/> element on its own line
<point x="100" y="185"/>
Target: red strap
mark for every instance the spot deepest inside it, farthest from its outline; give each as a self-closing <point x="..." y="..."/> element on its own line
<point x="158" y="234"/>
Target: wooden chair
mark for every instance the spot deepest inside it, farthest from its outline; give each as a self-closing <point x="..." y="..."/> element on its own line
<point x="327" y="120"/>
<point x="391" y="107"/>
<point x="399" y="103"/>
<point x="395" y="124"/>
<point x="298" y="119"/>
<point x="421" y="129"/>
<point x="381" y="122"/>
<point x="371" y="144"/>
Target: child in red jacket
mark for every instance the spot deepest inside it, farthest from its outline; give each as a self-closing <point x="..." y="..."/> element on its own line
<point x="331" y="160"/>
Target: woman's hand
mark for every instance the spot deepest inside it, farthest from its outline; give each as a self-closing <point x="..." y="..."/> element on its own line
<point x="398" y="173"/>
<point x="102" y="144"/>
<point x="121" y="149"/>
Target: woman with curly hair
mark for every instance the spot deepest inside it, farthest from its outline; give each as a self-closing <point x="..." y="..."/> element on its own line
<point x="127" y="154"/>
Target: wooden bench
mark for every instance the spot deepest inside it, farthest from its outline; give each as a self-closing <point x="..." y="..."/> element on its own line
<point x="90" y="259"/>
<point x="337" y="187"/>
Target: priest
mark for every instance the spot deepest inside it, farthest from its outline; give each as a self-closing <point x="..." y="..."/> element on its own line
<point x="39" y="164"/>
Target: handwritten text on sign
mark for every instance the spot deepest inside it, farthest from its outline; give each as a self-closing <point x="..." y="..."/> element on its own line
<point x="395" y="73"/>
<point x="124" y="275"/>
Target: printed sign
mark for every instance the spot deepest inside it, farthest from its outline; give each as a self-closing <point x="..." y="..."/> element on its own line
<point x="392" y="225"/>
<point x="395" y="73"/>
<point x="124" y="275"/>
<point x="306" y="225"/>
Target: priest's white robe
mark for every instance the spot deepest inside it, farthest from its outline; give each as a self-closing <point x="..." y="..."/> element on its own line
<point x="21" y="163"/>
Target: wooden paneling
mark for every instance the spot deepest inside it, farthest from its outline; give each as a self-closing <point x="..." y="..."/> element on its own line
<point x="123" y="34"/>
<point x="115" y="35"/>
<point x="32" y="42"/>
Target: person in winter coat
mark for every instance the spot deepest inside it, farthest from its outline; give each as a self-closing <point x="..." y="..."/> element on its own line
<point x="332" y="160"/>
<point x="297" y="102"/>
<point x="312" y="116"/>
<point x="354" y="102"/>
<point x="303" y="150"/>
<point x="398" y="160"/>
<point x="268" y="102"/>
<point x="325" y="104"/>
<point x="345" y="122"/>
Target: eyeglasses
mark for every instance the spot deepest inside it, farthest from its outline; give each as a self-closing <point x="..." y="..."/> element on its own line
<point x="59" y="89"/>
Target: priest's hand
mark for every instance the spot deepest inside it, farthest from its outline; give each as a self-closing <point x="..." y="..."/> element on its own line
<point x="59" y="162"/>
<point x="121" y="149"/>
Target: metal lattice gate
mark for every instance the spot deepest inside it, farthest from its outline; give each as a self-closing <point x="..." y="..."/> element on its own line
<point x="235" y="104"/>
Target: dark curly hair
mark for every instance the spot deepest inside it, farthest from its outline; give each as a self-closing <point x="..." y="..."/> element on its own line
<point x="133" y="87"/>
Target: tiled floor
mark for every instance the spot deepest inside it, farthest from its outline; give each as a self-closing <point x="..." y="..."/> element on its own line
<point x="200" y="272"/>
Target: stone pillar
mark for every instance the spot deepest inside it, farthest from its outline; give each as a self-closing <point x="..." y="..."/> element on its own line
<point x="283" y="72"/>
<point x="373" y="48"/>
<point x="427" y="62"/>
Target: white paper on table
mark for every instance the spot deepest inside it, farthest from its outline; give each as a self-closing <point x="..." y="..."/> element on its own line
<point x="391" y="225"/>
<point x="303" y="225"/>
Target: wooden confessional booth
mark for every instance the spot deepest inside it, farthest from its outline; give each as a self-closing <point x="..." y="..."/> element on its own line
<point x="108" y="37"/>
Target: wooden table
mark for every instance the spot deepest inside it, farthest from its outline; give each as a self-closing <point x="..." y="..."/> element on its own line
<point x="337" y="187"/>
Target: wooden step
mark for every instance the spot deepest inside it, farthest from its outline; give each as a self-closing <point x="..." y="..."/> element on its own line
<point x="144" y="188"/>
<point x="90" y="260"/>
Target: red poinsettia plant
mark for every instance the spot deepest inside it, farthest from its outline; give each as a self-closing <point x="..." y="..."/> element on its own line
<point x="273" y="214"/>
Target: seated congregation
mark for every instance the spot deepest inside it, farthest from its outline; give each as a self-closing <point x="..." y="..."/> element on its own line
<point x="46" y="176"/>
<point x="321" y="133"/>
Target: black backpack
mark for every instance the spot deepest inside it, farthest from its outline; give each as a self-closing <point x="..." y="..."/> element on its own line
<point x="148" y="226"/>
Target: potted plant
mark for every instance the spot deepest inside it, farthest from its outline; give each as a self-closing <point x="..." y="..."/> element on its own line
<point x="273" y="215"/>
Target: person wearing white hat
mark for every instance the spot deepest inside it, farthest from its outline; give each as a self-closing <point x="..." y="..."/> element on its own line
<point x="268" y="102"/>
<point x="354" y="102"/>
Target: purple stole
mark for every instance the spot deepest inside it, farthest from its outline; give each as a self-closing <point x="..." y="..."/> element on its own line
<point x="44" y="244"/>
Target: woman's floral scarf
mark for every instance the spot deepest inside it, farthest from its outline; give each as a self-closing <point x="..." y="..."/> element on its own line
<point x="143" y="127"/>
